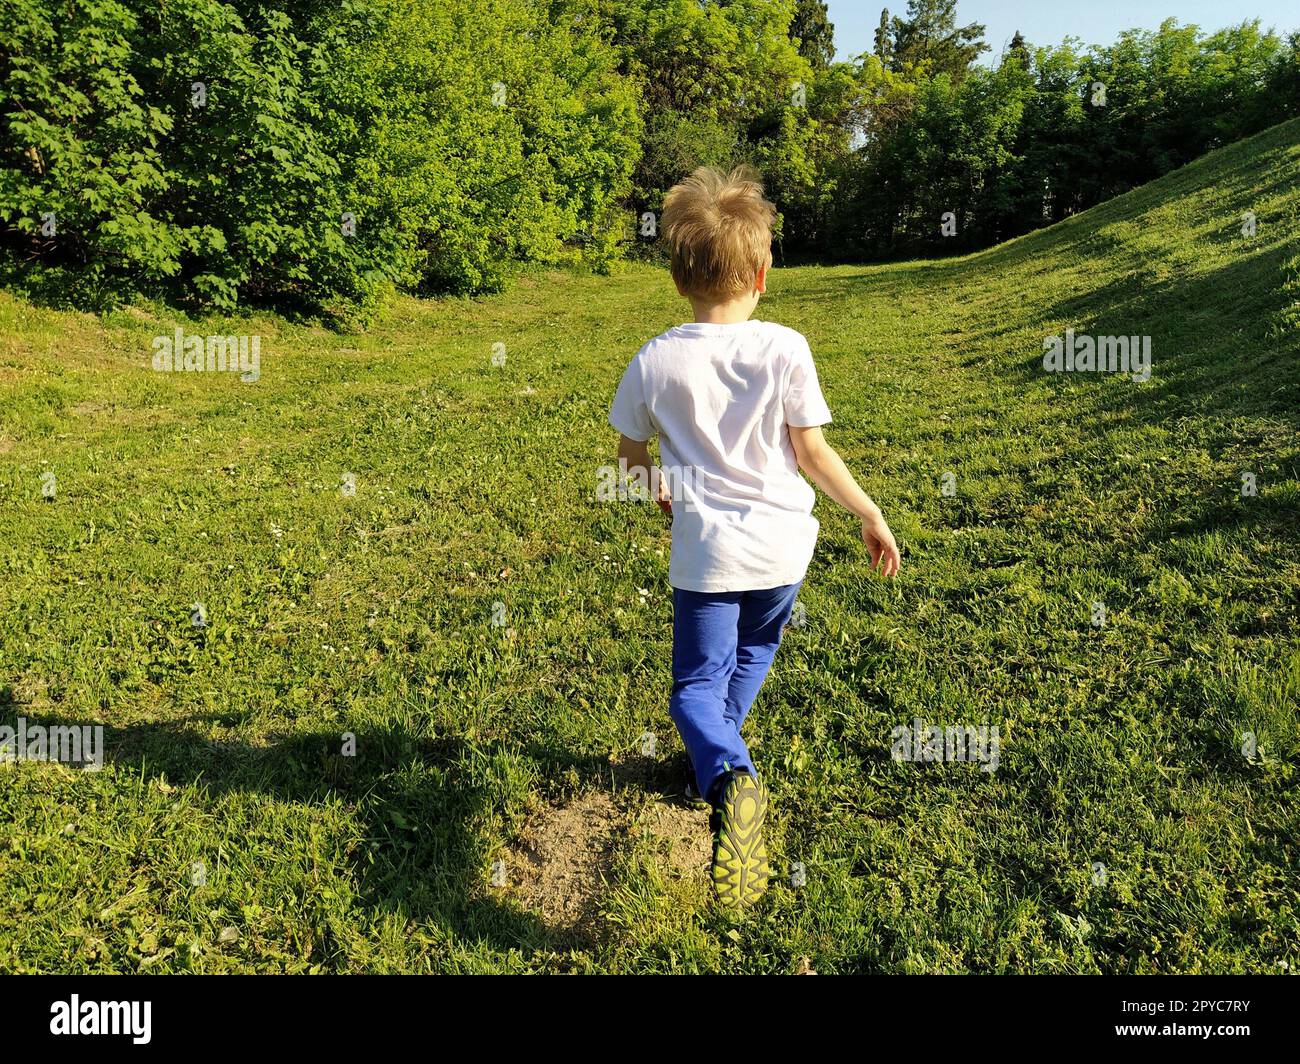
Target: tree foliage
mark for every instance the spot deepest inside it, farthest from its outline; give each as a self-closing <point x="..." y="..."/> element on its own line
<point x="1046" y="132"/>
<point x="310" y="156"/>
<point x="315" y="155"/>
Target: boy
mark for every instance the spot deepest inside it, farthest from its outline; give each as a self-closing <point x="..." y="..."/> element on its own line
<point x="738" y="410"/>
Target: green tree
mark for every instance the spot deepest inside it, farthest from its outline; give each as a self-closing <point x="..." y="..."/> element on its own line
<point x="722" y="84"/>
<point x="930" y="35"/>
<point x="884" y="39"/>
<point x="1018" y="51"/>
<point x="813" y="29"/>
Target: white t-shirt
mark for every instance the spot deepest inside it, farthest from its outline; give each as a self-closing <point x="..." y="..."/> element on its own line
<point x="721" y="397"/>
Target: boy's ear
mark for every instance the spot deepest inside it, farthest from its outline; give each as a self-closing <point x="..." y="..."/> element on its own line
<point x="760" y="282"/>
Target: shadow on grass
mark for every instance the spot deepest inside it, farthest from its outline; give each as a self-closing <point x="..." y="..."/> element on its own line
<point x="420" y="858"/>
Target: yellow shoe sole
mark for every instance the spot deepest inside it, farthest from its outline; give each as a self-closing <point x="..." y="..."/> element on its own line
<point x="740" y="868"/>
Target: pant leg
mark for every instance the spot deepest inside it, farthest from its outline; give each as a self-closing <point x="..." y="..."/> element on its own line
<point x="763" y="617"/>
<point x="704" y="658"/>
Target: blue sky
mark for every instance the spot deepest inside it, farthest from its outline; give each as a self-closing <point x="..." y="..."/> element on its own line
<point x="1048" y="21"/>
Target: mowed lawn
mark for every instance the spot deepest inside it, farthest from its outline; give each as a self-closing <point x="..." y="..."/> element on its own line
<point x="497" y="639"/>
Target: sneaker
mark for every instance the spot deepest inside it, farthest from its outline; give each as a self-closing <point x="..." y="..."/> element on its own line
<point x="740" y="868"/>
<point x="690" y="792"/>
<point x="692" y="797"/>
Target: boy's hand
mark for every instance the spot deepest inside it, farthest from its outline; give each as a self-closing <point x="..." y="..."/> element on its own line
<point x="664" y="497"/>
<point x="880" y="542"/>
<point x="828" y="471"/>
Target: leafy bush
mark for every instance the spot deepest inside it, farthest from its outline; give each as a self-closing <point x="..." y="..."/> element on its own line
<point x="79" y="143"/>
<point x="306" y="156"/>
<point x="492" y="135"/>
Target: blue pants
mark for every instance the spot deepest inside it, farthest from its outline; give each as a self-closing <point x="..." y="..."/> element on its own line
<point x="723" y="645"/>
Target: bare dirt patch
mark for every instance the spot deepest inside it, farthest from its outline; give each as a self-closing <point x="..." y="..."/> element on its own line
<point x="563" y="863"/>
<point x="560" y="867"/>
<point x="684" y="839"/>
<point x="681" y="832"/>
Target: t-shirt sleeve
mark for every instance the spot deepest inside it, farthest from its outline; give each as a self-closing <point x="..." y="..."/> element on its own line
<point x="805" y="406"/>
<point x="629" y="414"/>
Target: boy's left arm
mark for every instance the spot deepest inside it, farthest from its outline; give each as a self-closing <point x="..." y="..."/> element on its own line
<point x="819" y="460"/>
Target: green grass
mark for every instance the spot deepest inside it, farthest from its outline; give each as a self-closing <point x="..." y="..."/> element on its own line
<point x="372" y="614"/>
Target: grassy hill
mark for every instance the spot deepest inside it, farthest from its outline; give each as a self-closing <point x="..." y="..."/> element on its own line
<point x="497" y="640"/>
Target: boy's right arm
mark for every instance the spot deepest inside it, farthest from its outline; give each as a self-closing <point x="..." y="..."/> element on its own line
<point x="635" y="456"/>
<point x="818" y="459"/>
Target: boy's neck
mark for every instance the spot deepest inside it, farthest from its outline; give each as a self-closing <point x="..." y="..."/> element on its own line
<point x="733" y="312"/>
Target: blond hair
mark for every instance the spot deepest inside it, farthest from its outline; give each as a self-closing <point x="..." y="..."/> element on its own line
<point x="719" y="228"/>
